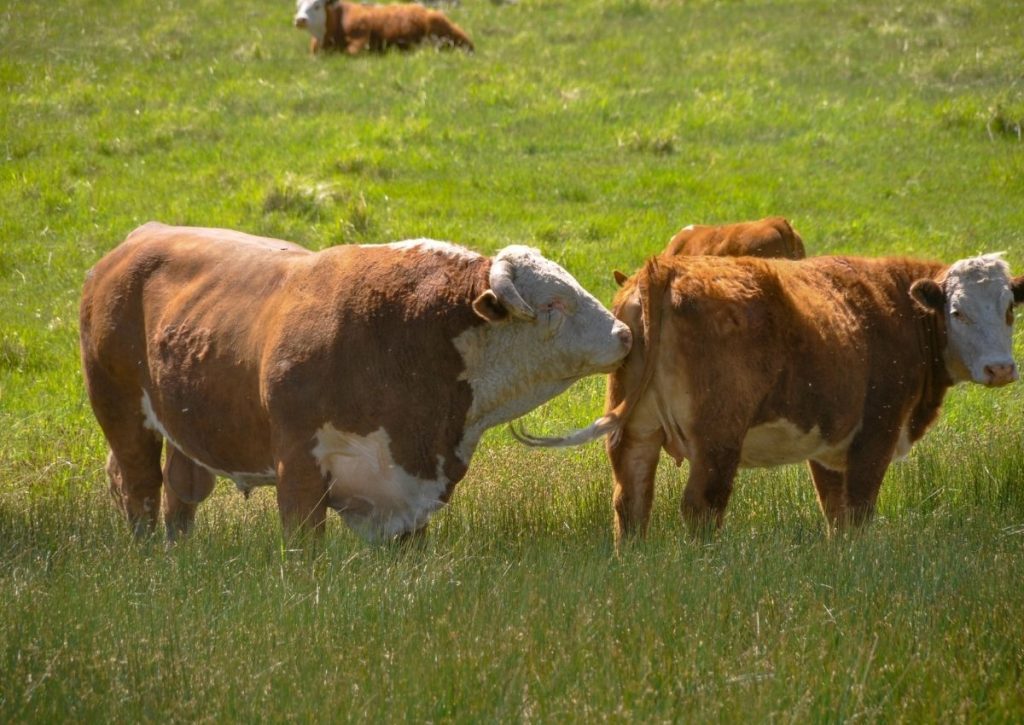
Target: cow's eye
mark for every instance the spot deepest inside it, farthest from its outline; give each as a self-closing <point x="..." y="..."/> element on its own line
<point x="957" y="315"/>
<point x="1009" y="315"/>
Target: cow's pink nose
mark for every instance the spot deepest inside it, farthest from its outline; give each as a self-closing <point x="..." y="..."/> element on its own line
<point x="1001" y="374"/>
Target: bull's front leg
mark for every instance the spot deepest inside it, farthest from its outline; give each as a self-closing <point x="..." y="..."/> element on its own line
<point x="302" y="491"/>
<point x="708" y="488"/>
<point x="634" y="462"/>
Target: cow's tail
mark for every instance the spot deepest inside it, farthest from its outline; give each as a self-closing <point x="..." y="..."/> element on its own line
<point x="652" y="283"/>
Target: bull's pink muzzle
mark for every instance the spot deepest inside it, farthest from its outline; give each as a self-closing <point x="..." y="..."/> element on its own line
<point x="1000" y="374"/>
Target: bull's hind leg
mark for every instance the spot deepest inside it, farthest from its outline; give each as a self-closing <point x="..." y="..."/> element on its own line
<point x="831" y="488"/>
<point x="134" y="471"/>
<point x="708" y="488"/>
<point x="634" y="463"/>
<point x="186" y="485"/>
<point x="134" y="461"/>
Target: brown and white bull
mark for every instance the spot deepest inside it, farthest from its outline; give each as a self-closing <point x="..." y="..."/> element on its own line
<point x="842" y="362"/>
<point x="768" y="237"/>
<point x="358" y="378"/>
<point x="354" y="27"/>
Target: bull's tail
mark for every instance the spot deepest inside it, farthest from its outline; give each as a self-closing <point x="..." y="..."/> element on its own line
<point x="599" y="428"/>
<point x="651" y="283"/>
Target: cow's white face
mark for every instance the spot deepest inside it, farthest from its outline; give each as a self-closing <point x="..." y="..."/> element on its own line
<point x="312" y="15"/>
<point x="977" y="298"/>
<point x="543" y="336"/>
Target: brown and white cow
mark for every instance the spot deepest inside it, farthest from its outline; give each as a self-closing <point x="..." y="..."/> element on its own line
<point x="353" y="27"/>
<point x="358" y="378"/>
<point x="749" y="362"/>
<point x="768" y="237"/>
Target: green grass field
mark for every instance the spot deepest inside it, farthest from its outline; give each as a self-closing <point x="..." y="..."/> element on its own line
<point x="592" y="129"/>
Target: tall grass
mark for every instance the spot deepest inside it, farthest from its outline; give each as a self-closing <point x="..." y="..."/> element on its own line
<point x="593" y="130"/>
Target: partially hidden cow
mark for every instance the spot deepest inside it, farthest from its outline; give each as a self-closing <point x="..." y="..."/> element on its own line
<point x="357" y="378"/>
<point x="746" y="362"/>
<point x="352" y="27"/>
<point x="768" y="237"/>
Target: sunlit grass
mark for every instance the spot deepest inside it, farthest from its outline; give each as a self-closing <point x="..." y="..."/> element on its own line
<point x="593" y="130"/>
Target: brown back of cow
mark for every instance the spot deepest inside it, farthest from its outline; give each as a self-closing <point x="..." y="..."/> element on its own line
<point x="768" y="237"/>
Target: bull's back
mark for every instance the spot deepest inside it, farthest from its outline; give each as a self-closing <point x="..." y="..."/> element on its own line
<point x="220" y="280"/>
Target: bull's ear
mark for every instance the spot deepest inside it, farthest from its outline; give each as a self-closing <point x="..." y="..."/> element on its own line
<point x="928" y="295"/>
<point x="620" y="278"/>
<point x="1017" y="285"/>
<point x="489" y="307"/>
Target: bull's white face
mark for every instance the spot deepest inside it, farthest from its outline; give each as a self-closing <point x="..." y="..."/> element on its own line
<point x="312" y="15"/>
<point x="579" y="335"/>
<point x="535" y="346"/>
<point x="979" y="299"/>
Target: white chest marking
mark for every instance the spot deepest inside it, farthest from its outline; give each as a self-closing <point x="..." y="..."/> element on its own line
<point x="374" y="495"/>
<point x="781" y="442"/>
<point x="244" y="480"/>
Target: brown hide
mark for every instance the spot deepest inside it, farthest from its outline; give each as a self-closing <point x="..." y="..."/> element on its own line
<point x="829" y="356"/>
<point x="769" y="237"/>
<point x="353" y="28"/>
<point x="240" y="371"/>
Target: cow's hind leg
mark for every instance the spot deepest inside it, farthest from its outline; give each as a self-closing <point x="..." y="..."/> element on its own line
<point x="831" y="488"/>
<point x="634" y="463"/>
<point x="186" y="485"/>
<point x="708" y="488"/>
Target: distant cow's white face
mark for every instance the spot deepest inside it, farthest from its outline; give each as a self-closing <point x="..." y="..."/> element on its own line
<point x="312" y="15"/>
<point x="977" y="299"/>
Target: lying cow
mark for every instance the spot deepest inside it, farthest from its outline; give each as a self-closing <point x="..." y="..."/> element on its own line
<point x="843" y="362"/>
<point x="352" y="27"/>
<point x="358" y="378"/>
<point x="768" y="237"/>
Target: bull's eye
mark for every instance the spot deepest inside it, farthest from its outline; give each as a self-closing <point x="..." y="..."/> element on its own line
<point x="957" y="315"/>
<point x="554" y="314"/>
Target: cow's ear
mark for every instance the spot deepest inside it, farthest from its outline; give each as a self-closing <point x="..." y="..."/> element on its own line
<point x="928" y="295"/>
<point x="489" y="307"/>
<point x="620" y="278"/>
<point x="1017" y="285"/>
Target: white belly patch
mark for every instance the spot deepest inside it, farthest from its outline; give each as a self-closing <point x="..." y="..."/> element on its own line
<point x="781" y="442"/>
<point x="374" y="495"/>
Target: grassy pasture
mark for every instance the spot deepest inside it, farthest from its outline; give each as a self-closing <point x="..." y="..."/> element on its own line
<point x="592" y="129"/>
